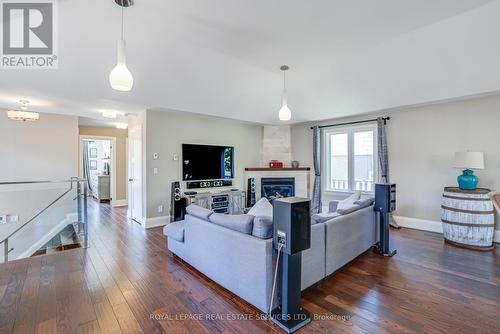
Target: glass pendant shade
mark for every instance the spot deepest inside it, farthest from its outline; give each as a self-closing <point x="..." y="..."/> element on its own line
<point x="120" y="77"/>
<point x="284" y="114"/>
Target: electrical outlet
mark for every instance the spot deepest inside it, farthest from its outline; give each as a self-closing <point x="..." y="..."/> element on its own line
<point x="160" y="208"/>
<point x="281" y="237"/>
<point x="156" y="156"/>
<point x="155" y="171"/>
<point x="3" y="219"/>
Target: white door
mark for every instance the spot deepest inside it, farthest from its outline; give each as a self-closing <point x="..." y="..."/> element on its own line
<point x="135" y="173"/>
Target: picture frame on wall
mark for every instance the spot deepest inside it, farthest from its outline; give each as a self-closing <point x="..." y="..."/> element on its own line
<point x="93" y="164"/>
<point x="93" y="153"/>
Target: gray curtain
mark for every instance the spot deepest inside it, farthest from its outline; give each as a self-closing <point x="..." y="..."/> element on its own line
<point x="86" y="165"/>
<point x="316" y="195"/>
<point x="383" y="155"/>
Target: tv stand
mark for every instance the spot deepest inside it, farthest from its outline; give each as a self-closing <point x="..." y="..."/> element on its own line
<point x="222" y="201"/>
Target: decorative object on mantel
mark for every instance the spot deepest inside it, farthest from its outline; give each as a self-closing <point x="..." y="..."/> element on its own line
<point x="275" y="164"/>
<point x="468" y="218"/>
<point x="295" y="164"/>
<point x="468" y="161"/>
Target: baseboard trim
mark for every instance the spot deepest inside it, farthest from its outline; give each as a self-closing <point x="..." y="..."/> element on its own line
<point x="156" y="221"/>
<point x="429" y="225"/>
<point x="419" y="224"/>
<point x="119" y="202"/>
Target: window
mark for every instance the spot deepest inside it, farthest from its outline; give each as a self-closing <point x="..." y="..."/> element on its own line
<point x="350" y="158"/>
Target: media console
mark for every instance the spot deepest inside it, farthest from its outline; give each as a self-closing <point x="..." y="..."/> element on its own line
<point x="226" y="201"/>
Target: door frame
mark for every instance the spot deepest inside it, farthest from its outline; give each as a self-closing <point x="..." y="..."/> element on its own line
<point x="113" y="160"/>
<point x="136" y="133"/>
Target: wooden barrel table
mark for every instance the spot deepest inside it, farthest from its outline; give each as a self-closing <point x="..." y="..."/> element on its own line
<point x="468" y="218"/>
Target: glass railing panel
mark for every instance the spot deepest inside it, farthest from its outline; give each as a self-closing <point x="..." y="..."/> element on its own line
<point x="41" y="218"/>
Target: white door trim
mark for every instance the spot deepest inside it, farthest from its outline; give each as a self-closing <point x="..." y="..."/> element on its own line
<point x="113" y="160"/>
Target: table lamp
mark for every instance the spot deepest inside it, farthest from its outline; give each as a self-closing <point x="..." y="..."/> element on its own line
<point x="468" y="161"/>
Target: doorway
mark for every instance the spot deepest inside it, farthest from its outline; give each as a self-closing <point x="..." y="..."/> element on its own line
<point x="97" y="165"/>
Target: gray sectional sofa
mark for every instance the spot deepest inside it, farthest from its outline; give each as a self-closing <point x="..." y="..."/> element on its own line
<point x="231" y="252"/>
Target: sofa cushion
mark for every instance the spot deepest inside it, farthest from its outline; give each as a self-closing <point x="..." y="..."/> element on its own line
<point x="349" y="201"/>
<point x="323" y="217"/>
<point x="365" y="202"/>
<point x="262" y="208"/>
<point x="332" y="206"/>
<point x="240" y="223"/>
<point x="175" y="230"/>
<point x="262" y="227"/>
<point x="351" y="209"/>
<point x="199" y="212"/>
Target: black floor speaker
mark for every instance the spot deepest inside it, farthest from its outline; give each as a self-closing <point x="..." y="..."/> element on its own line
<point x="178" y="203"/>
<point x="250" y="192"/>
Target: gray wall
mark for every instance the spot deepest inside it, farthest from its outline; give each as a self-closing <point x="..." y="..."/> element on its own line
<point x="46" y="149"/>
<point x="166" y="131"/>
<point x="422" y="142"/>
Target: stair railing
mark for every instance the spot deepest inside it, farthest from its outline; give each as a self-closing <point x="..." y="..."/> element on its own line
<point x="82" y="212"/>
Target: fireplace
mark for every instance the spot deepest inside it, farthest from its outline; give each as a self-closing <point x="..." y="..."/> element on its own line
<point x="277" y="187"/>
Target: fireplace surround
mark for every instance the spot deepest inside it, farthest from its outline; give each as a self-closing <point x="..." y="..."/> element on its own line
<point x="277" y="187"/>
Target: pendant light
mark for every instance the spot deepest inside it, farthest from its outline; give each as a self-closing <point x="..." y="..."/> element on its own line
<point x="120" y="77"/>
<point x="23" y="114"/>
<point x="285" y="114"/>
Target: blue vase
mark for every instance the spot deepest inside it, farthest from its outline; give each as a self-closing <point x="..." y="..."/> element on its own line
<point x="468" y="181"/>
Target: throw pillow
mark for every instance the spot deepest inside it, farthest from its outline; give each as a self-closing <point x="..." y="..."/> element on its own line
<point x="262" y="208"/>
<point x="349" y="201"/>
<point x="365" y="202"/>
<point x="263" y="227"/>
<point x="239" y="223"/>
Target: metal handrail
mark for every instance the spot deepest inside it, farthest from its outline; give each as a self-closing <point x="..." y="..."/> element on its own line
<point x="73" y="179"/>
<point x="47" y="207"/>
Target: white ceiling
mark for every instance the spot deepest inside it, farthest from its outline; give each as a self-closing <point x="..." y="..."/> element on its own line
<point x="222" y="57"/>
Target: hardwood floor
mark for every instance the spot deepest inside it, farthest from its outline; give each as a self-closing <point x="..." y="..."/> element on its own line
<point x="126" y="283"/>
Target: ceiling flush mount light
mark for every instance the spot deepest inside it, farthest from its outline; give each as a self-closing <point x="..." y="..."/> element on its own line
<point x="23" y="114"/>
<point x="120" y="77"/>
<point x="285" y="114"/>
<point x="121" y="125"/>
<point x="109" y="114"/>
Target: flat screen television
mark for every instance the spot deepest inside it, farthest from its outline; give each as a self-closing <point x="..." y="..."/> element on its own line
<point x="207" y="162"/>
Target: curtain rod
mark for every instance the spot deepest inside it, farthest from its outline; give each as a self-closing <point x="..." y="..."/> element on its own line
<point x="351" y="123"/>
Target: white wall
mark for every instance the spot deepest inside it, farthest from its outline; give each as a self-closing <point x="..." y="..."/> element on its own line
<point x="46" y="149"/>
<point x="166" y="131"/>
<point x="422" y="142"/>
<point x="277" y="145"/>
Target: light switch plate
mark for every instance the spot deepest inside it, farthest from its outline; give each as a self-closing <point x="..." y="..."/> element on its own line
<point x="3" y="219"/>
<point x="155" y="170"/>
<point x="175" y="157"/>
<point x="160" y="208"/>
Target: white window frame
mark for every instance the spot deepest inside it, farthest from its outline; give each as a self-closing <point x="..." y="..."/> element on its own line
<point x="350" y="130"/>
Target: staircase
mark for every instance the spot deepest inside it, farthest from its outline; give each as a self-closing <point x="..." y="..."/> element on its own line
<point x="66" y="239"/>
<point x="42" y="217"/>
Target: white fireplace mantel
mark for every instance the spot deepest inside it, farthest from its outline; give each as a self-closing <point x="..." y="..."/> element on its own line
<point x="301" y="176"/>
